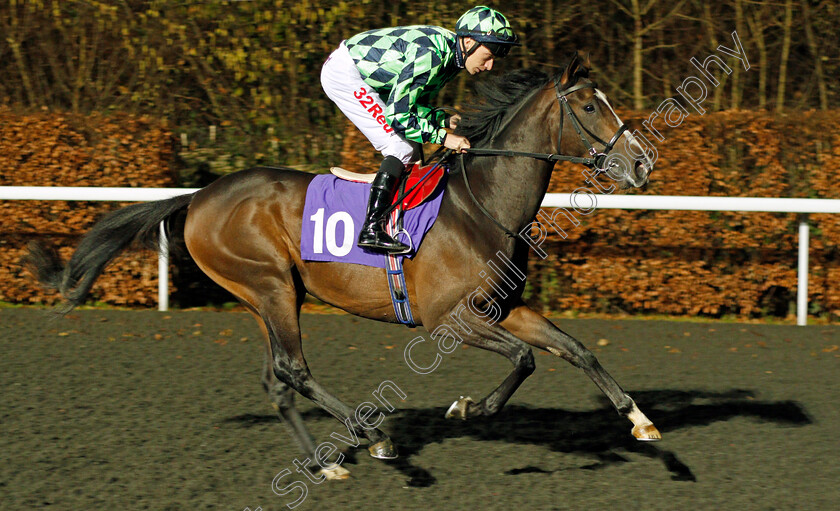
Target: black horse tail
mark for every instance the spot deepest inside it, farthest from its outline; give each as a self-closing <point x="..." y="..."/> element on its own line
<point x="108" y="237"/>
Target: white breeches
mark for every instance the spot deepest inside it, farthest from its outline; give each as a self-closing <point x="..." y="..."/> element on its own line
<point x="362" y="105"/>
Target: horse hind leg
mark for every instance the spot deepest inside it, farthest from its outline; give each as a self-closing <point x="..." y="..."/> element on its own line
<point x="283" y="400"/>
<point x="289" y="366"/>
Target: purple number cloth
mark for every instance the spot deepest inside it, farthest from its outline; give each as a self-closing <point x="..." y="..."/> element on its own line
<point x="332" y="218"/>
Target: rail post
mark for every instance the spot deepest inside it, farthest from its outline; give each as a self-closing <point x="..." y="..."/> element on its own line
<point x="163" y="270"/>
<point x="802" y="273"/>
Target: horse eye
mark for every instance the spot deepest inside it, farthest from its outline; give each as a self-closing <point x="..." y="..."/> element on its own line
<point x="589" y="108"/>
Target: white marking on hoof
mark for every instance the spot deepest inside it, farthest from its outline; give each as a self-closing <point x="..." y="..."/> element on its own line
<point x="643" y="428"/>
<point x="458" y="410"/>
<point x="335" y="472"/>
<point x="647" y="433"/>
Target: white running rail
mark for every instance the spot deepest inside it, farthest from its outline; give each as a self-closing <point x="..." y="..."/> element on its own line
<point x="552" y="200"/>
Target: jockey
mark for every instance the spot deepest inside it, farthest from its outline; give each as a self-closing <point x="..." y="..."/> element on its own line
<point x="383" y="80"/>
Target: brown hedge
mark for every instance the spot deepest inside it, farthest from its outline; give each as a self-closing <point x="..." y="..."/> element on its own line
<point x="57" y="149"/>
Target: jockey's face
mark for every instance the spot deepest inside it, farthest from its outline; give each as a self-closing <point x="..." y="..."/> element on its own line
<point x="480" y="60"/>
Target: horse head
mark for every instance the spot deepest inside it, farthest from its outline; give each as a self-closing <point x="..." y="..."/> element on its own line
<point x="589" y="124"/>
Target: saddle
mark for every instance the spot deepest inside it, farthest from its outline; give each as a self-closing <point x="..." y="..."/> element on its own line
<point x="411" y="177"/>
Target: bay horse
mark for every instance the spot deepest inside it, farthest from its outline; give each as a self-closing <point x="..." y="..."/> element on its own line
<point x="244" y="231"/>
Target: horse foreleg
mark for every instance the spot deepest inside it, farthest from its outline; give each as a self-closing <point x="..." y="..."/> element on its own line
<point x="496" y="339"/>
<point x="537" y="331"/>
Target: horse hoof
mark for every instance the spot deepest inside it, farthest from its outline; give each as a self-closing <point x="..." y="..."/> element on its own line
<point x="335" y="472"/>
<point x="458" y="410"/>
<point x="647" y="433"/>
<point x="384" y="450"/>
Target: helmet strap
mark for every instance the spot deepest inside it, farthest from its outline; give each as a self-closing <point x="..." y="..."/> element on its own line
<point x="460" y="58"/>
<point x="469" y="52"/>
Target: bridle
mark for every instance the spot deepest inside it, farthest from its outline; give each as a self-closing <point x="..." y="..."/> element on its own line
<point x="595" y="161"/>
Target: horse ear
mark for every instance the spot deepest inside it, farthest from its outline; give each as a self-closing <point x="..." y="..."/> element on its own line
<point x="578" y="67"/>
<point x="586" y="62"/>
<point x="570" y="72"/>
<point x="583" y="64"/>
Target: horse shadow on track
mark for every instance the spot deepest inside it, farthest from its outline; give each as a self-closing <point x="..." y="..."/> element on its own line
<point x="599" y="434"/>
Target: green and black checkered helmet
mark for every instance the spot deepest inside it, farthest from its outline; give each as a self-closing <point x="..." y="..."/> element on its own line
<point x="488" y="27"/>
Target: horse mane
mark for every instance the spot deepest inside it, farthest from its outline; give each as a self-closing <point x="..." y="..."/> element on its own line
<point x="481" y="122"/>
<point x="502" y="97"/>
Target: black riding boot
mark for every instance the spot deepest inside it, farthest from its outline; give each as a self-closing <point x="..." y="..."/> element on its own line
<point x="373" y="235"/>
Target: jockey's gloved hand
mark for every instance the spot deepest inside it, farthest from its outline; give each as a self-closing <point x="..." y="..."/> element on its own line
<point x="457" y="143"/>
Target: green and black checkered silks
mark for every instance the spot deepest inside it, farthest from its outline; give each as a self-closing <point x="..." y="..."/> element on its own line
<point x="407" y="66"/>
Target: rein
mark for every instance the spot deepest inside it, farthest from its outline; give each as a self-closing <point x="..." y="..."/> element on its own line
<point x="595" y="161"/>
<point x="508" y="233"/>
